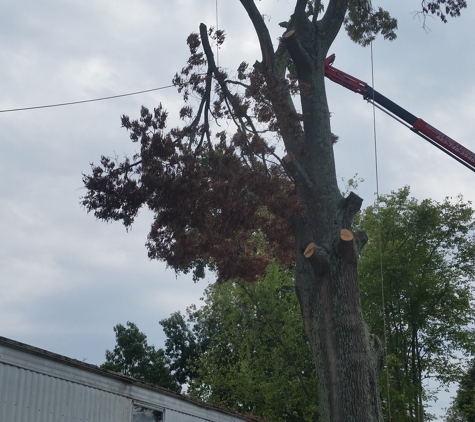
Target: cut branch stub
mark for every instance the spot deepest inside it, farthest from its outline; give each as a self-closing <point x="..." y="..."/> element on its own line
<point x="347" y="246"/>
<point x="309" y="250"/>
<point x="346" y="235"/>
<point x="361" y="238"/>
<point x="288" y="34"/>
<point x="351" y="205"/>
<point x="300" y="57"/>
<point x="296" y="171"/>
<point x="316" y="260"/>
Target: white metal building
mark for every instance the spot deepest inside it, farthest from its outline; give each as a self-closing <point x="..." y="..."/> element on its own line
<point x="40" y="386"/>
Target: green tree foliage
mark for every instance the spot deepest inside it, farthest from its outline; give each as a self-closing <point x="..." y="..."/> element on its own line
<point x="463" y="407"/>
<point x="184" y="345"/>
<point x="133" y="356"/>
<point x="253" y="354"/>
<point x="363" y="22"/>
<point x="428" y="261"/>
<point x="454" y="415"/>
<point x="443" y="8"/>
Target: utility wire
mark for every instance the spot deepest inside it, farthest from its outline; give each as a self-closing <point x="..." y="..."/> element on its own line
<point x="85" y="101"/>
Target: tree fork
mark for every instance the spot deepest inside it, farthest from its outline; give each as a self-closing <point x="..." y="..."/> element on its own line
<point x="315" y="255"/>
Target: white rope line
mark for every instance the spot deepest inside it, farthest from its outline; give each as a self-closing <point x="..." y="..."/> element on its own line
<point x="383" y="304"/>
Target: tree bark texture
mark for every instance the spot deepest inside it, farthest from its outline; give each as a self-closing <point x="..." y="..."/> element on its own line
<point x="347" y="358"/>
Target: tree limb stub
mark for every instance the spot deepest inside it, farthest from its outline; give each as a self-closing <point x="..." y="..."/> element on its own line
<point x="346" y="235"/>
<point x="361" y="238"/>
<point x="351" y="205"/>
<point x="315" y="257"/>
<point x="296" y="171"/>
<point x="347" y="247"/>
<point x="298" y="54"/>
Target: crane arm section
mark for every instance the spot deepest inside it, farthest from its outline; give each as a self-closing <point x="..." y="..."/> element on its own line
<point x="417" y="125"/>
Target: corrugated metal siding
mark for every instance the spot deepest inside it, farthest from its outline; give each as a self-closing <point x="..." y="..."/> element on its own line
<point x="40" y="386"/>
<point x="27" y="396"/>
<point x="174" y="416"/>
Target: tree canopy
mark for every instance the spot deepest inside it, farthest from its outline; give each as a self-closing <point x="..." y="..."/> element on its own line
<point x="423" y="255"/>
<point x="463" y="406"/>
<point x="133" y="356"/>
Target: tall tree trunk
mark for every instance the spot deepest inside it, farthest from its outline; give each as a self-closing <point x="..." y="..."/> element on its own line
<point x="347" y="358"/>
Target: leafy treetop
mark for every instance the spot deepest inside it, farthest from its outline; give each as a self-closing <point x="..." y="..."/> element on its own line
<point x="133" y="356"/>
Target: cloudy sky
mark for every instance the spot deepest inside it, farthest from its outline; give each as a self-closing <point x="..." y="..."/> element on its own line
<point x="67" y="279"/>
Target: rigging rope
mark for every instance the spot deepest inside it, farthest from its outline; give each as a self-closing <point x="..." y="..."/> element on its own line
<point x="383" y="304"/>
<point x="217" y="27"/>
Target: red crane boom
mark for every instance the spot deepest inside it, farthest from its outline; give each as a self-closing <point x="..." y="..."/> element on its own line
<point x="417" y="125"/>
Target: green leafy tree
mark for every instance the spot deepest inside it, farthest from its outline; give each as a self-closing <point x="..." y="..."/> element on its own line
<point x="133" y="356"/>
<point x="253" y="353"/>
<point x="463" y="407"/>
<point x="183" y="346"/>
<point x="427" y="254"/>
<point x="210" y="193"/>
<point x="454" y="414"/>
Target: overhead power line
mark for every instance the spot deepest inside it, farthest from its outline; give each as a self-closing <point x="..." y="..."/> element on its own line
<point x="85" y="101"/>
